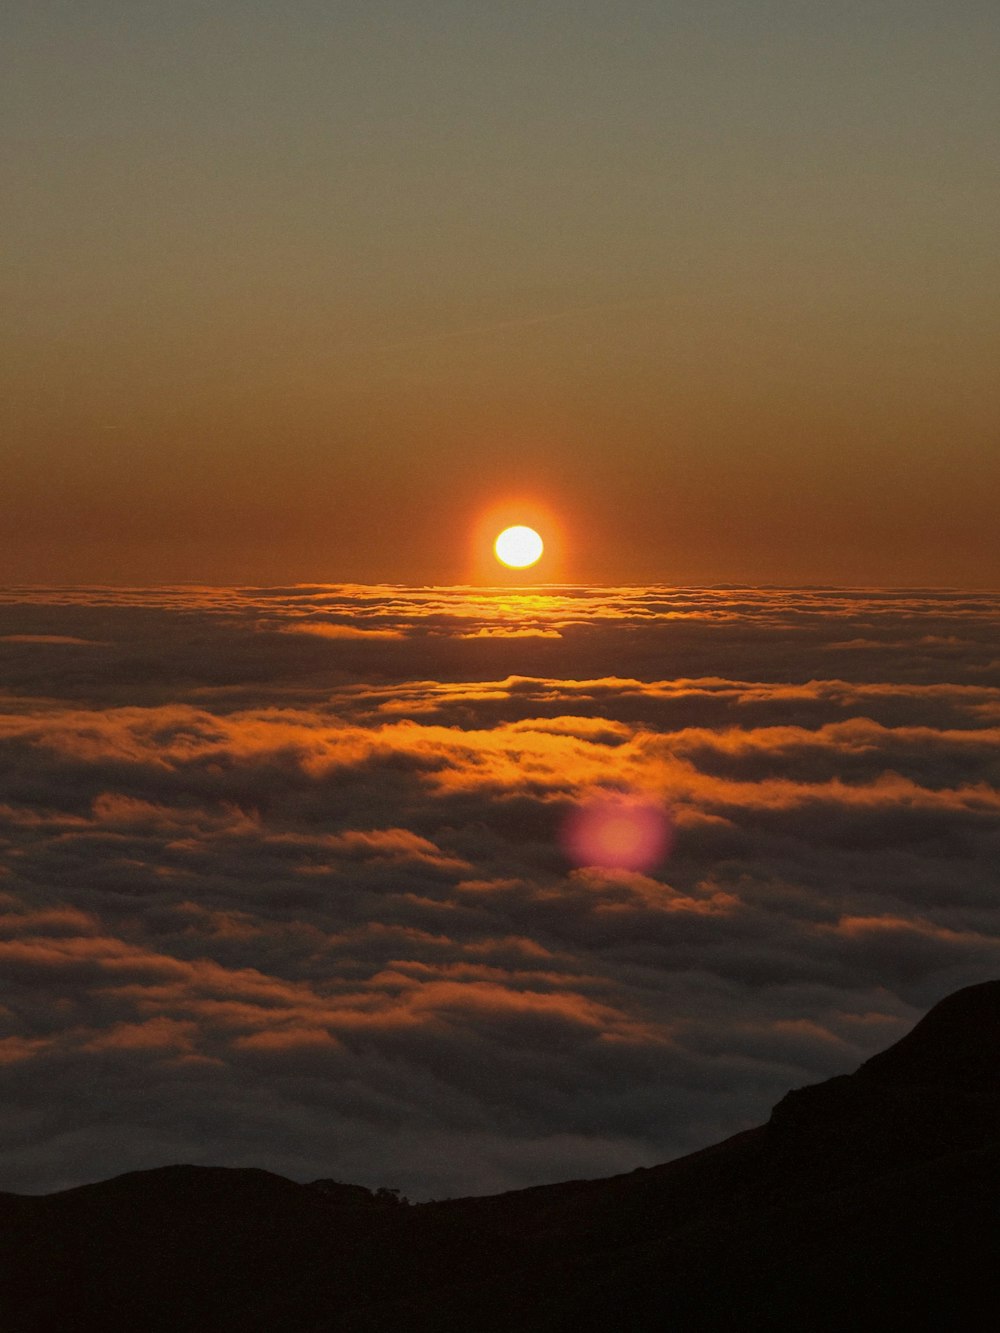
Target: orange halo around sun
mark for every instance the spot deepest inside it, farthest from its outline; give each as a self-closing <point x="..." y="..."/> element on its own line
<point x="487" y="568"/>
<point x="518" y="547"/>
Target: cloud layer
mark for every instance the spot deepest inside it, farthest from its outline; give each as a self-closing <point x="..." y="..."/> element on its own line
<point x="283" y="879"/>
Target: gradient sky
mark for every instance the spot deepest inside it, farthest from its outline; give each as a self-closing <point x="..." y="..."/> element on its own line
<point x="302" y="291"/>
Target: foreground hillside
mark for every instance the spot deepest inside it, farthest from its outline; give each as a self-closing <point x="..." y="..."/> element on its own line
<point x="870" y="1200"/>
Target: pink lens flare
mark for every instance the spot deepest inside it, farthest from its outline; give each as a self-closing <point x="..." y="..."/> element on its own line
<point x="618" y="831"/>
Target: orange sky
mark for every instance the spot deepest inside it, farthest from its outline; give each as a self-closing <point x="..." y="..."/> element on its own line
<point x="305" y="298"/>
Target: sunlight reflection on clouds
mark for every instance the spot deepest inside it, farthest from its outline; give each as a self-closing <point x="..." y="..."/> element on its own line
<point x="305" y="900"/>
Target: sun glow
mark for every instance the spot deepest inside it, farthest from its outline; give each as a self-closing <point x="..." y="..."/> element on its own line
<point x="518" y="547"/>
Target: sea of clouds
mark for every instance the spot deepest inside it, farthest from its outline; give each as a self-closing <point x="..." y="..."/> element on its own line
<point x="282" y="880"/>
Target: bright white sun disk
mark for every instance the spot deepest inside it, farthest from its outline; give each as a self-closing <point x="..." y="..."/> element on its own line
<point x="518" y="547"/>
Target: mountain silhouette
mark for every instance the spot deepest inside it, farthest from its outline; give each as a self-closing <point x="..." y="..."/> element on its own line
<point x="871" y="1200"/>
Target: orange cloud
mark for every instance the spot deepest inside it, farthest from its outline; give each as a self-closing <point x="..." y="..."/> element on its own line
<point x="156" y="1034"/>
<point x="856" y="926"/>
<point x="524" y="632"/>
<point x="325" y="630"/>
<point x="50" y="638"/>
<point x="16" y="1050"/>
<point x="282" y="1041"/>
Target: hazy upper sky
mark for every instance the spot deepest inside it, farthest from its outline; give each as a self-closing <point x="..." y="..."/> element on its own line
<point x="301" y="291"/>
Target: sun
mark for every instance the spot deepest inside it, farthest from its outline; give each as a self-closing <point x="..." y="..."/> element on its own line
<point x="518" y="547"/>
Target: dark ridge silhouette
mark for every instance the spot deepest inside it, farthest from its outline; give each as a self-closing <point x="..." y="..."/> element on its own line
<point x="869" y="1201"/>
<point x="956" y="1044"/>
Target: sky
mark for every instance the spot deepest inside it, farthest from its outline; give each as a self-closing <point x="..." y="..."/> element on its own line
<point x="289" y="876"/>
<point x="300" y="293"/>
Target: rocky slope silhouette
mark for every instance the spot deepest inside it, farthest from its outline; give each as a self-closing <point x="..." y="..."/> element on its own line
<point x="869" y="1201"/>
